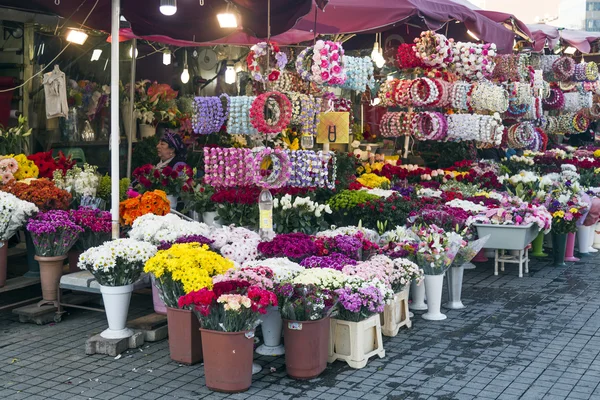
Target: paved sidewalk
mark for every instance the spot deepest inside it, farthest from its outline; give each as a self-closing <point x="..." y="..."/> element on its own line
<point x="534" y="337"/>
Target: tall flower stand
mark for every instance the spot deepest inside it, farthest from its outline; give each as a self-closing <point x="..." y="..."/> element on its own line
<point x="559" y="244"/>
<point x="583" y="239"/>
<point x="355" y="342"/>
<point x="418" y="296"/>
<point x="116" y="304"/>
<point x="538" y="246"/>
<point x="271" y="326"/>
<point x="455" y="280"/>
<point x="433" y="290"/>
<point x="570" y="248"/>
<point x="395" y="314"/>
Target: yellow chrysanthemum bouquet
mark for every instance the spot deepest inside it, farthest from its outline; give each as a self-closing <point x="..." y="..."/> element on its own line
<point x="184" y="268"/>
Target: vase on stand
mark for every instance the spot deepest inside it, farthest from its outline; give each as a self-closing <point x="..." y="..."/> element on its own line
<point x="271" y="328"/>
<point x="455" y="280"/>
<point x="147" y="130"/>
<point x="116" y="304"/>
<point x="559" y="244"/>
<point x="433" y="289"/>
<point x="418" y="296"/>
<point x="583" y="240"/>
<point x="538" y="246"/>
<point x="570" y="248"/>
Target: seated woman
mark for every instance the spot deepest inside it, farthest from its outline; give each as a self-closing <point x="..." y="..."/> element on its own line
<point x="171" y="150"/>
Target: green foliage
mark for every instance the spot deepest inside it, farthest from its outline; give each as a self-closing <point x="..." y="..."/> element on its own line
<point x="104" y="189"/>
<point x="245" y="215"/>
<point x="144" y="152"/>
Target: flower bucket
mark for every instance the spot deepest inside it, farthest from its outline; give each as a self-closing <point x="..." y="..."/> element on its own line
<point x="395" y="314"/>
<point x="271" y="329"/>
<point x="570" y="248"/>
<point x="306" y="347"/>
<point x="50" y="273"/>
<point x="210" y="217"/>
<point x="34" y="266"/>
<point x="559" y="244"/>
<point x="159" y="305"/>
<point x="116" y="304"/>
<point x="227" y="360"/>
<point x="185" y="341"/>
<point x="538" y="246"/>
<point x="433" y="290"/>
<point x="455" y="281"/>
<point x="3" y="262"/>
<point x="597" y="236"/>
<point x="73" y="257"/>
<point x="147" y="130"/>
<point x="355" y="342"/>
<point x="173" y="201"/>
<point x="418" y="296"/>
<point x="583" y="239"/>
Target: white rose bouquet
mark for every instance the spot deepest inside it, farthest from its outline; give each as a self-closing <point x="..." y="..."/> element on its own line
<point x="299" y="214"/>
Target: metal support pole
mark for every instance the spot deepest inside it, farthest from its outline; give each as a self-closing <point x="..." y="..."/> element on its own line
<point x="114" y="116"/>
<point x="132" y="125"/>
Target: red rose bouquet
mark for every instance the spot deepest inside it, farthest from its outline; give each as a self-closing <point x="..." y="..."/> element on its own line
<point x="173" y="181"/>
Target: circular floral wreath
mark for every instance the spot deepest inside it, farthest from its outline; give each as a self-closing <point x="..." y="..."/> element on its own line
<point x="283" y="112"/>
<point x="434" y="49"/>
<point x="256" y="61"/>
<point x="280" y="173"/>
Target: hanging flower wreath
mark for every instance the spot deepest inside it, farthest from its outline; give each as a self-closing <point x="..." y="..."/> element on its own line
<point x="434" y="49"/>
<point x="256" y="61"/>
<point x="327" y="66"/>
<point x="474" y="61"/>
<point x="280" y="172"/>
<point x="563" y="68"/>
<point x="406" y="57"/>
<point x="280" y="108"/>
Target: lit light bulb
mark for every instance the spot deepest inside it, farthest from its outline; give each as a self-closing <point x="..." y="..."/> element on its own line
<point x="375" y="52"/>
<point x="380" y="61"/>
<point x="96" y="54"/>
<point x="76" y="36"/>
<point x="131" y="52"/>
<point x="230" y="75"/>
<point x="167" y="57"/>
<point x="185" y="75"/>
<point x="168" y="7"/>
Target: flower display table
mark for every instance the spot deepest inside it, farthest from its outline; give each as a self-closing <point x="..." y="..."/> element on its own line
<point x="396" y="314"/>
<point x="355" y="342"/>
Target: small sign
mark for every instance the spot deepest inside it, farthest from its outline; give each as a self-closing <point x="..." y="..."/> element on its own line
<point x="295" y="326"/>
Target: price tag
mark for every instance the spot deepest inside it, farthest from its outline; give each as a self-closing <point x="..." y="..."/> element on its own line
<point x="295" y="326"/>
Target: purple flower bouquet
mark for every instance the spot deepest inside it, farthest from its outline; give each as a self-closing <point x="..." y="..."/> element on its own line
<point x="334" y="260"/>
<point x="295" y="246"/>
<point x="96" y="224"/>
<point x="53" y="233"/>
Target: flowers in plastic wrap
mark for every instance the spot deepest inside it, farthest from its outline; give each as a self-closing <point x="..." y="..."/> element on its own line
<point x="155" y="229"/>
<point x="359" y="299"/>
<point x="118" y="262"/>
<point x="184" y="268"/>
<point x="14" y="213"/>
<point x="53" y="233"/>
<point x="436" y="249"/>
<point x="470" y="249"/>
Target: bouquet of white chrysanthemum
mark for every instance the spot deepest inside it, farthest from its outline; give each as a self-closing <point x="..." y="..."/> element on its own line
<point x="14" y="213"/>
<point x="155" y="229"/>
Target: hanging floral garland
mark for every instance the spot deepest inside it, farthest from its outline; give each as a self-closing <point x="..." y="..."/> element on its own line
<point x="434" y="49"/>
<point x="327" y="66"/>
<point x="257" y="63"/>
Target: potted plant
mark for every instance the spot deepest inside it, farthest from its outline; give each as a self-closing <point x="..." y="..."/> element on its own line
<point x="306" y="311"/>
<point x="435" y="254"/>
<point x="356" y="329"/>
<point x="117" y="265"/>
<point x="271" y="322"/>
<point x="97" y="228"/>
<point x="14" y="213"/>
<point x="177" y="270"/>
<point x="53" y="234"/>
<point x="198" y="202"/>
<point x="228" y="315"/>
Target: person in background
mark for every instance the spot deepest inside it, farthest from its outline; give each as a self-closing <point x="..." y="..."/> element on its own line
<point x="171" y="150"/>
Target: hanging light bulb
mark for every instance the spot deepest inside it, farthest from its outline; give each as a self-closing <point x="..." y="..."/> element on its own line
<point x="185" y="75"/>
<point x="167" y="57"/>
<point x="76" y="36"/>
<point x="379" y="61"/>
<point x="227" y="19"/>
<point x="168" y="7"/>
<point x="375" y="52"/>
<point x="230" y="75"/>
<point x="131" y="52"/>
<point x="96" y="54"/>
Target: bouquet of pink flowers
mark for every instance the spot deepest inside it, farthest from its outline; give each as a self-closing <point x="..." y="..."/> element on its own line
<point x="437" y="248"/>
<point x="258" y="276"/>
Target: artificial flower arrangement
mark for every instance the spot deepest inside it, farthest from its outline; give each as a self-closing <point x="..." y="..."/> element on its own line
<point x="158" y="229"/>
<point x="437" y="248"/>
<point x="198" y="199"/>
<point x="14" y="213"/>
<point x="41" y="192"/>
<point x="8" y="167"/>
<point x="258" y="276"/>
<point x="299" y="302"/>
<point x="295" y="246"/>
<point x="53" y="233"/>
<point x="360" y="299"/>
<point x="236" y="243"/>
<point x="118" y="262"/>
<point x="173" y="181"/>
<point x="257" y="61"/>
<point x="13" y="140"/>
<point x="80" y="182"/>
<point x="231" y="306"/>
<point x="154" y="102"/>
<point x="96" y="225"/>
<point x="47" y="164"/>
<point x="185" y="268"/>
<point x="299" y="214"/>
<point x="154" y="202"/>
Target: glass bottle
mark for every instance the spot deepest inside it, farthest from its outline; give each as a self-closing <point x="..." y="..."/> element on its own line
<point x="265" y="206"/>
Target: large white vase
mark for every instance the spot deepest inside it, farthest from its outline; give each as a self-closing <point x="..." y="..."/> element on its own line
<point x="116" y="304"/>
<point x="271" y="326"/>
<point x="418" y="296"/>
<point x="583" y="239"/>
<point x="455" y="280"/>
<point x="173" y="200"/>
<point x="433" y="290"/>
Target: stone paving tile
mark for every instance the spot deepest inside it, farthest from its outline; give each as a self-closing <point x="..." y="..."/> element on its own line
<point x="536" y="337"/>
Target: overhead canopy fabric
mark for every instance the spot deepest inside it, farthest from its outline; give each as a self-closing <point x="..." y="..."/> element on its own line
<point x="581" y="40"/>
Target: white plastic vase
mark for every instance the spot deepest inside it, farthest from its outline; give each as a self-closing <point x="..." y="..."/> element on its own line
<point x="147" y="130"/>
<point x="173" y="200"/>
<point x="583" y="239"/>
<point x="209" y="218"/>
<point x="597" y="236"/>
<point x="433" y="289"/>
<point x="591" y="239"/>
<point x="271" y="328"/>
<point x="418" y="296"/>
<point x="116" y="304"/>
